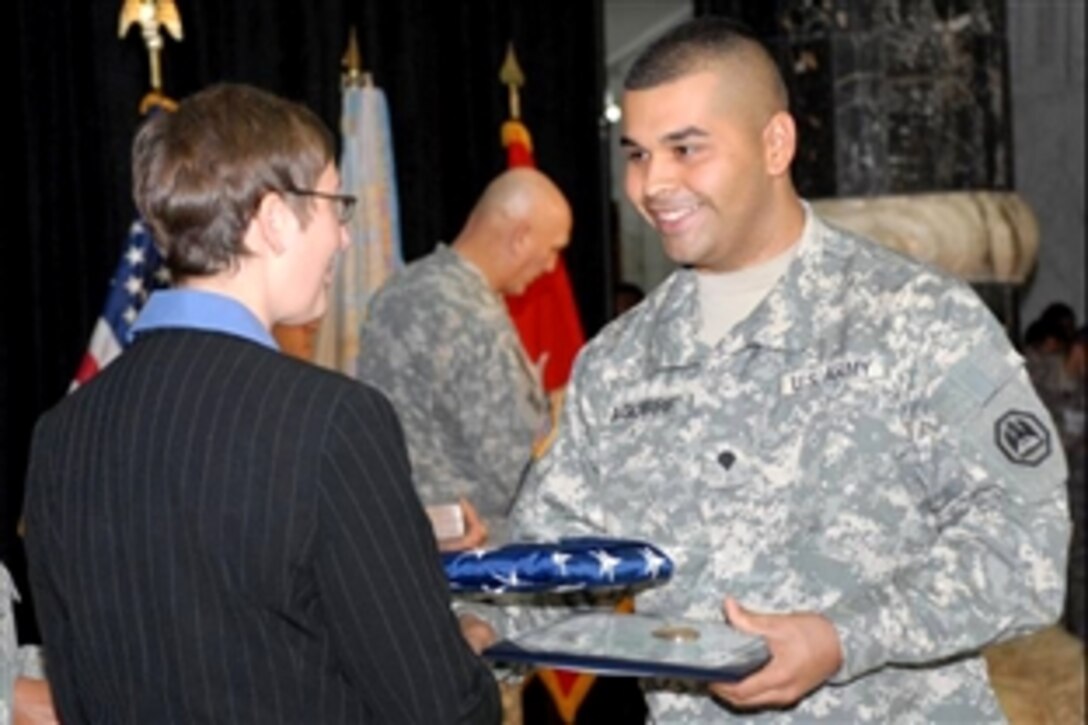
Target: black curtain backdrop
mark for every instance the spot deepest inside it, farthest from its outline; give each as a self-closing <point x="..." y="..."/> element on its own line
<point x="79" y="89"/>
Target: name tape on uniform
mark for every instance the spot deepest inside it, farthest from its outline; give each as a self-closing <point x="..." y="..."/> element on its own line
<point x="828" y="373"/>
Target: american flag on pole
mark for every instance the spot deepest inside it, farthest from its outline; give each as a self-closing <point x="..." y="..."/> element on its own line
<point x="138" y="273"/>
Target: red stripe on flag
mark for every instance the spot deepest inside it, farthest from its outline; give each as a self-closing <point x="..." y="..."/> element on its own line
<point x="88" y="368"/>
<point x="548" y="323"/>
<point x="545" y="315"/>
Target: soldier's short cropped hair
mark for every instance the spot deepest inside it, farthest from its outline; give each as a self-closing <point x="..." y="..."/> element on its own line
<point x="199" y="174"/>
<point x="699" y="44"/>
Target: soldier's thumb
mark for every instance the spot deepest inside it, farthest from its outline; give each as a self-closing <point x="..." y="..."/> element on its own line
<point x="743" y="619"/>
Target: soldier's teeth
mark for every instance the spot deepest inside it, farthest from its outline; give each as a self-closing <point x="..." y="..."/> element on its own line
<point x="673" y="215"/>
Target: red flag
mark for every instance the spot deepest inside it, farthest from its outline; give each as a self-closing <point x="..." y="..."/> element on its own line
<point x="545" y="314"/>
<point x="548" y="324"/>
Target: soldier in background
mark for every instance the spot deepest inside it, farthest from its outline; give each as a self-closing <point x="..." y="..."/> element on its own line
<point x="839" y="442"/>
<point x="438" y="341"/>
<point x="1056" y="355"/>
<point x="1055" y="352"/>
<point x="1071" y="413"/>
<point x="625" y="296"/>
<point x="24" y="693"/>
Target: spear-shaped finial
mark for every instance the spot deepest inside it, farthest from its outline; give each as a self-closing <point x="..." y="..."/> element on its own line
<point x="352" y="63"/>
<point x="511" y="76"/>
<point x="150" y="15"/>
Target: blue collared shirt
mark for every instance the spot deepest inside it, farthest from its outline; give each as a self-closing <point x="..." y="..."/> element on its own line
<point x="200" y="310"/>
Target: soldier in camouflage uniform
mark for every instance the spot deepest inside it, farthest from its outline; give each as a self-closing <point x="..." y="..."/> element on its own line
<point x="858" y="464"/>
<point x="439" y="342"/>
<point x="23" y="688"/>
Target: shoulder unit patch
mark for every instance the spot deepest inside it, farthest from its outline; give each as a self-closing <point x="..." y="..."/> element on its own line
<point x="1022" y="437"/>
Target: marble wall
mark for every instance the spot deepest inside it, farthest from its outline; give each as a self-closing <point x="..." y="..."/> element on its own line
<point x="1046" y="62"/>
<point x="891" y="96"/>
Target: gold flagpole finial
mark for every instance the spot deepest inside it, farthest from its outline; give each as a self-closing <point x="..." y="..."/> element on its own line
<point x="511" y="76"/>
<point x="352" y="63"/>
<point x="150" y="15"/>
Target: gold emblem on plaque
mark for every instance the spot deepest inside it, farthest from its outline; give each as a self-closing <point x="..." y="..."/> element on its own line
<point x="676" y="634"/>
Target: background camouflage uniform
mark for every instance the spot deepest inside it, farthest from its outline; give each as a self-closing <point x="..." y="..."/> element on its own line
<point x="865" y="445"/>
<point x="15" y="661"/>
<point x="439" y="343"/>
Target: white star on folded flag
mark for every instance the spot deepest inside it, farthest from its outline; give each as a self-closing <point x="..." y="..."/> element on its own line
<point x="508" y="581"/>
<point x="560" y="560"/>
<point x="653" y="562"/>
<point x="608" y="563"/>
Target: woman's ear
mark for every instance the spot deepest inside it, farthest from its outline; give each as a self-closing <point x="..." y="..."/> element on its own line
<point x="274" y="225"/>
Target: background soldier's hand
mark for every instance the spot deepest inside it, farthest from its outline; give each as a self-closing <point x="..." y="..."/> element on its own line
<point x="33" y="703"/>
<point x="476" y="632"/>
<point x="805" y="651"/>
<point x="475" y="531"/>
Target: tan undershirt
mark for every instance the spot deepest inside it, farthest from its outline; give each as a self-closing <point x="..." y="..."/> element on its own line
<point x="726" y="298"/>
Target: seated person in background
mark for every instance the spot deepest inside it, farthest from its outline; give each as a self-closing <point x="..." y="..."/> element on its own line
<point x="24" y="693"/>
<point x="439" y="342"/>
<point x="627" y="295"/>
<point x="241" y="542"/>
<point x="1061" y="317"/>
<point x="836" y="445"/>
<point x="1076" y="360"/>
<point x="1056" y="361"/>
<point x="1072" y="417"/>
<point x="1046" y="342"/>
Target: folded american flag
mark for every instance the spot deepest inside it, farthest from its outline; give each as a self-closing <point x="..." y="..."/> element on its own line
<point x="574" y="564"/>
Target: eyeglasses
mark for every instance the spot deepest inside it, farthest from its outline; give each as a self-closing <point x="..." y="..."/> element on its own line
<point x="345" y="203"/>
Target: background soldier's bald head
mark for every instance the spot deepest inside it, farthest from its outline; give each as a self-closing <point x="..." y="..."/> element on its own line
<point x="520" y="193"/>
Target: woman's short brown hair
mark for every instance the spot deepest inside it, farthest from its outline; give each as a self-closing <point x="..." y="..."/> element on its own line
<point x="199" y="173"/>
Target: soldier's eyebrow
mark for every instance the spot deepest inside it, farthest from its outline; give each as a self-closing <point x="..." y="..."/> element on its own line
<point x="673" y="137"/>
<point x="685" y="134"/>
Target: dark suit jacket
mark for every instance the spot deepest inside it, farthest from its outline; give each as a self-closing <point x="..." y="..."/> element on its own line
<point x="218" y="532"/>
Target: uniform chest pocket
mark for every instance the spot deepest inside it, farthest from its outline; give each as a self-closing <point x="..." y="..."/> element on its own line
<point x="842" y="428"/>
<point x="851" y="495"/>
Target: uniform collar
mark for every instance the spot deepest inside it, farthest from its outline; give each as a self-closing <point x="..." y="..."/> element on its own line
<point x="468" y="271"/>
<point x="790" y="318"/>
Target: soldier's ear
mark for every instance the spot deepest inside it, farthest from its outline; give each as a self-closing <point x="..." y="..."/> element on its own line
<point x="518" y="240"/>
<point x="779" y="143"/>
